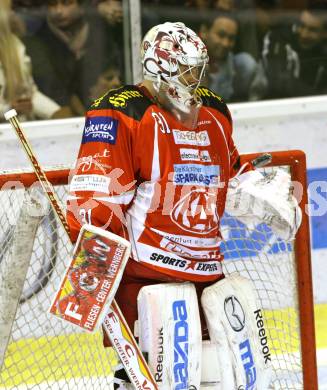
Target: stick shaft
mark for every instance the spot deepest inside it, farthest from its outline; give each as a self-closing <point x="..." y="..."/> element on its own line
<point x="46" y="185"/>
<point x="48" y="188"/>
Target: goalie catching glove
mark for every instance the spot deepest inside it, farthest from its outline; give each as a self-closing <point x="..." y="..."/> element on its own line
<point x="255" y="198"/>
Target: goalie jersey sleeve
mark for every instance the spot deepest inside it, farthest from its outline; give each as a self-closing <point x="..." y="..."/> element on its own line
<point x="144" y="176"/>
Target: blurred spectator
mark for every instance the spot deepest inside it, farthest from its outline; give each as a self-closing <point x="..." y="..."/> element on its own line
<point x="231" y="5"/>
<point x="247" y="24"/>
<point x="235" y="77"/>
<point x="194" y="14"/>
<point x="191" y="12"/>
<point x="30" y="13"/>
<point x="71" y="50"/>
<point x="17" y="25"/>
<point x="27" y="3"/>
<point x="17" y="87"/>
<point x="110" y="79"/>
<point x="224" y="5"/>
<point x="264" y="18"/>
<point x="199" y="4"/>
<point x="295" y="57"/>
<point x="111" y="10"/>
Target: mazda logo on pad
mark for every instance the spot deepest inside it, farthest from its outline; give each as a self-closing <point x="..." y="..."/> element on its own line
<point x="234" y="313"/>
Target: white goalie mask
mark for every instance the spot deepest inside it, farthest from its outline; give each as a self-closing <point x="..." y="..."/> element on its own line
<point x="174" y="58"/>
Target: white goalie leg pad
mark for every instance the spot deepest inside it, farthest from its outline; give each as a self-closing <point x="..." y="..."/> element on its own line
<point x="210" y="375"/>
<point x="170" y="333"/>
<point x="236" y="326"/>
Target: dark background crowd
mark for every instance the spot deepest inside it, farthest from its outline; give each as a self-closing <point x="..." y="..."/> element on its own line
<point x="58" y="55"/>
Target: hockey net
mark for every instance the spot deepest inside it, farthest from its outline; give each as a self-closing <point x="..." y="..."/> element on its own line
<point x="44" y="353"/>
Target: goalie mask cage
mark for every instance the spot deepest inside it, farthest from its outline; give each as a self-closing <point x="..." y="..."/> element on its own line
<point x="43" y="352"/>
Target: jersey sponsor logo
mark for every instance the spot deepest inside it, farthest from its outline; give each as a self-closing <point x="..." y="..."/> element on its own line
<point x="100" y="129"/>
<point x="188" y="137"/>
<point x="196" y="174"/>
<point x="202" y="91"/>
<point x="181" y="350"/>
<point x="206" y="267"/>
<point x="194" y="155"/>
<point x="119" y="100"/>
<point x="206" y="122"/>
<point x="168" y="260"/>
<point x="248" y="364"/>
<point x="98" y="101"/>
<point x="185" y="251"/>
<point x="234" y="313"/>
<point x="196" y="212"/>
<point x="190" y="241"/>
<point x="97" y="183"/>
<point x="85" y="163"/>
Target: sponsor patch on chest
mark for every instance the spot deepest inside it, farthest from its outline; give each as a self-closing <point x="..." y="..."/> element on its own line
<point x="196" y="174"/>
<point x="96" y="183"/>
<point x="100" y="129"/>
<point x="194" y="155"/>
<point x="185" y="137"/>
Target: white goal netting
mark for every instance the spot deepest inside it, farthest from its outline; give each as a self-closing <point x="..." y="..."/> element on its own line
<point x="46" y="353"/>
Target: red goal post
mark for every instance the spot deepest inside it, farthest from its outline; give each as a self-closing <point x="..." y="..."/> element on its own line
<point x="296" y="160"/>
<point x="304" y="358"/>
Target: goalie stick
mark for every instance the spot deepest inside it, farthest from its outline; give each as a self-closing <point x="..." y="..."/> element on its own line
<point x="115" y="325"/>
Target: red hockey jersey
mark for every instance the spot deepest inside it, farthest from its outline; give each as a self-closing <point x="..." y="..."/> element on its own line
<point x="142" y="175"/>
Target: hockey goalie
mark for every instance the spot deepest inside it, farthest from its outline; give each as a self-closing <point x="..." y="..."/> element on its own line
<point x="156" y="164"/>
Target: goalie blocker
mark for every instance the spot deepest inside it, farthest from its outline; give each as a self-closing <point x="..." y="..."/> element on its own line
<point x="92" y="278"/>
<point x="237" y="355"/>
